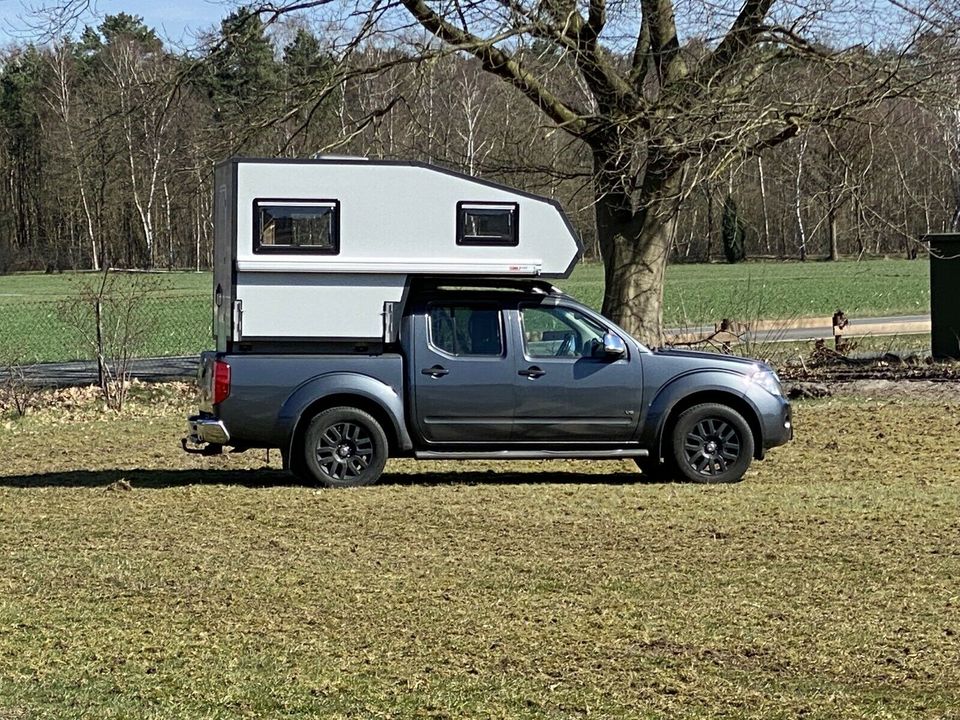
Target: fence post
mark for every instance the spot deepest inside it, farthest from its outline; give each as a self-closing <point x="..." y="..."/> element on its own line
<point x="98" y="315"/>
<point x="840" y="323"/>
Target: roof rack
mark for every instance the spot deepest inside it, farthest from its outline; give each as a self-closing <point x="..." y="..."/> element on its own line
<point x="428" y="282"/>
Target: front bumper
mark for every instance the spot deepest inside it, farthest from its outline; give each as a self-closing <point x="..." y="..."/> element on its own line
<point x="779" y="426"/>
<point x="207" y="433"/>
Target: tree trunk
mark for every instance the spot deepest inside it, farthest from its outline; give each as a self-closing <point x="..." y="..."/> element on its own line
<point x="832" y="232"/>
<point x="763" y="206"/>
<point x="797" y="201"/>
<point x="635" y="245"/>
<point x="708" y="191"/>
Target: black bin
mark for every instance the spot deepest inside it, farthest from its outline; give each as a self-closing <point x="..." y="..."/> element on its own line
<point x="944" y="295"/>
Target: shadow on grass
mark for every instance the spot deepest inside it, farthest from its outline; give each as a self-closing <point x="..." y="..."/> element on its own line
<point x="268" y="478"/>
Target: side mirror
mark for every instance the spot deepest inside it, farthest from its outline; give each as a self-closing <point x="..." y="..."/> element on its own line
<point x="613" y="346"/>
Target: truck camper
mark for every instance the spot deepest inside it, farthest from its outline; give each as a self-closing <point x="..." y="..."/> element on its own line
<point x="370" y="309"/>
<point x="322" y="251"/>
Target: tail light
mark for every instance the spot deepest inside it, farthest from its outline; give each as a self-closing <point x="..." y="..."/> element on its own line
<point x="221" y="381"/>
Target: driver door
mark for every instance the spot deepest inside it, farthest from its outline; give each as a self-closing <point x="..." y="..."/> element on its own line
<point x="567" y="390"/>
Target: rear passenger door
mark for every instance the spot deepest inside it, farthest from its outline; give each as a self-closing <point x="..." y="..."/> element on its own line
<point x="463" y="375"/>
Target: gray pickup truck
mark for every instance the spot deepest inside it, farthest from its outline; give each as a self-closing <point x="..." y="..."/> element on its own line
<point x="497" y="371"/>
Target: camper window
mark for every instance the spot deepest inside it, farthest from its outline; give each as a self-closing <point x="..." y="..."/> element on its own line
<point x="480" y="223"/>
<point x="296" y="226"/>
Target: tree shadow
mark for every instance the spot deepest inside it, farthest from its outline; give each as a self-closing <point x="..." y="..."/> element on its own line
<point x="152" y="479"/>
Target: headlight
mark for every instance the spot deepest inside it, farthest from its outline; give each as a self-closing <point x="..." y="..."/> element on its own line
<point x="768" y="380"/>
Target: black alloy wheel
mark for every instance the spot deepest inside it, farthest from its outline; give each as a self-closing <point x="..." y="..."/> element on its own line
<point x="711" y="443"/>
<point x="345" y="447"/>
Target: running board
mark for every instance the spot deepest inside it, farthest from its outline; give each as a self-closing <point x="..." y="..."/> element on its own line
<point x="530" y="454"/>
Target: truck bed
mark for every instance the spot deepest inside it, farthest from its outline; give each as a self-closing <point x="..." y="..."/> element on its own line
<point x="265" y="389"/>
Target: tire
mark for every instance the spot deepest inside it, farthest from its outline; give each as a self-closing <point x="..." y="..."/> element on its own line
<point x="710" y="443"/>
<point x="345" y="447"/>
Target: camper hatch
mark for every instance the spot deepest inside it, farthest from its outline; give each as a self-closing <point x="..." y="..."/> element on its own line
<point x="322" y="250"/>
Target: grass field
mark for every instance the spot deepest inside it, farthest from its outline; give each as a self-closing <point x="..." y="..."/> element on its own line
<point x="33" y="324"/>
<point x="823" y="586"/>
<point x="36" y="324"/>
<point x="704" y="294"/>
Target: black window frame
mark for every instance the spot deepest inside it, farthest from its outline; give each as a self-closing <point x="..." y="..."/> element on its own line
<point x="261" y="249"/>
<point x="480" y="305"/>
<point x="465" y="205"/>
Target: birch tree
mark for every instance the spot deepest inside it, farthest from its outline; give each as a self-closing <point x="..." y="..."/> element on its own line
<point x="61" y="98"/>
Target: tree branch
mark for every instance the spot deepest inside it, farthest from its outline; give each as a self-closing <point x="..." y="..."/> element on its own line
<point x="741" y="35"/>
<point x="499" y="63"/>
<point x="664" y="48"/>
<point x="641" y="53"/>
<point x="579" y="38"/>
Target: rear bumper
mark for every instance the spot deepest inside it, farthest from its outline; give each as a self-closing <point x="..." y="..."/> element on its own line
<point x="205" y="430"/>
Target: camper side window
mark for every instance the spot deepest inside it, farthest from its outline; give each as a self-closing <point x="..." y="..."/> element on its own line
<point x="296" y="226"/>
<point x="466" y="329"/>
<point x="480" y="223"/>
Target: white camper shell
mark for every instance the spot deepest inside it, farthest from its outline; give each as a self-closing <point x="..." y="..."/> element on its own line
<point x="323" y="250"/>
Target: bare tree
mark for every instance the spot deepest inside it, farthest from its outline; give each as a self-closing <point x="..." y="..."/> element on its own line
<point x="110" y="318"/>
<point x="61" y="99"/>
<point x="138" y="82"/>
<point x="666" y="114"/>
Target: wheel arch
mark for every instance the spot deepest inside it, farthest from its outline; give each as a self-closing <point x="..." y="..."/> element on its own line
<point x="713" y="395"/>
<point x="347" y="390"/>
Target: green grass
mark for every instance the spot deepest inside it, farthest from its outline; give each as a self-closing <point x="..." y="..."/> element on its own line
<point x="36" y="325"/>
<point x="40" y="287"/>
<point x="704" y="294"/>
<point x="33" y="326"/>
<point x="823" y="586"/>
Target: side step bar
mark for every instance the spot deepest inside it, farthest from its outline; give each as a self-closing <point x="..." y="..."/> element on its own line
<point x="530" y="454"/>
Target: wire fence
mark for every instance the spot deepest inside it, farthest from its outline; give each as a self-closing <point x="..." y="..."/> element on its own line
<point x="147" y="325"/>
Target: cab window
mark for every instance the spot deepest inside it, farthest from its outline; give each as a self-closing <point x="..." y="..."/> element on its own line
<point x="462" y="329"/>
<point x="550" y="331"/>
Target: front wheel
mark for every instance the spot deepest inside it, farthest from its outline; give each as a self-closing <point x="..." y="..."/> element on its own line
<point x="711" y="443"/>
<point x="345" y="447"/>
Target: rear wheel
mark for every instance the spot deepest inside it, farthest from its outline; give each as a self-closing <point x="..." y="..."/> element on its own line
<point x="711" y="443"/>
<point x="345" y="447"/>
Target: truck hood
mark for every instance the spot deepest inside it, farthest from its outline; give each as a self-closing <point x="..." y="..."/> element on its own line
<point x="711" y="360"/>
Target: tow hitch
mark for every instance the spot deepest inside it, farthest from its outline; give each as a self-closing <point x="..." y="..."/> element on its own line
<point x="206" y="432"/>
<point x="202" y="447"/>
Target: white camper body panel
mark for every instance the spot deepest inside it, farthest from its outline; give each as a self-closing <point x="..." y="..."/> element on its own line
<point x="393" y="220"/>
<point x="333" y="306"/>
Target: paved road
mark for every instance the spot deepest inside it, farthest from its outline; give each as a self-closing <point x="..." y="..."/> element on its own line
<point x="781" y="332"/>
<point x="185" y="368"/>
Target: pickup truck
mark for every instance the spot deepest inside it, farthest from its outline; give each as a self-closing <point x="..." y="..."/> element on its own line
<point x="506" y="371"/>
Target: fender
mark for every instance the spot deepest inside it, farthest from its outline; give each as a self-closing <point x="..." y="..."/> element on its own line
<point x="343" y="383"/>
<point x="711" y="381"/>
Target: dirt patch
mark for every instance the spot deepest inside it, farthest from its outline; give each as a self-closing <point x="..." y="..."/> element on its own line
<point x="948" y="391"/>
<point x="937" y="390"/>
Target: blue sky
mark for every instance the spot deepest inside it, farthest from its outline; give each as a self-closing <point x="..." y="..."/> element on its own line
<point x="174" y="20"/>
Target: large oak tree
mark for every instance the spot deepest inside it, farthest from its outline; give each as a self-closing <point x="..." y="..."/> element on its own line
<point x="661" y="113"/>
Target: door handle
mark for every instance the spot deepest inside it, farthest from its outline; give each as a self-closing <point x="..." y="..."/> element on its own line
<point x="532" y="372"/>
<point x="435" y="371"/>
